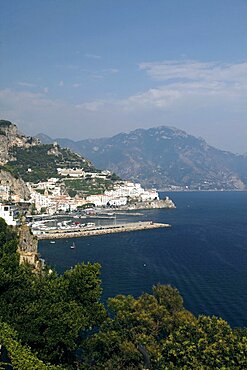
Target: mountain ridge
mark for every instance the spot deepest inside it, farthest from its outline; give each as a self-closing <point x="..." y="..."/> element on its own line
<point x="165" y="157"/>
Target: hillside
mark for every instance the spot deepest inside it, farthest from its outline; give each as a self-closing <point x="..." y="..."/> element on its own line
<point x="25" y="158"/>
<point x="166" y="158"/>
<point x="38" y="163"/>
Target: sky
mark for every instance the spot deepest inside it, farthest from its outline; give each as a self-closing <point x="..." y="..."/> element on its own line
<point x="93" y="68"/>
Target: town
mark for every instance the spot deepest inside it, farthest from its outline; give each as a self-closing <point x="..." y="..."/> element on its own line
<point x="48" y="197"/>
<point x="44" y="181"/>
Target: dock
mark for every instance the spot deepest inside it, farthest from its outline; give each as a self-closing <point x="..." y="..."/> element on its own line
<point x="100" y="230"/>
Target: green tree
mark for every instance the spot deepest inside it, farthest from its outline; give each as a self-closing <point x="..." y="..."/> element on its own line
<point x="207" y="343"/>
<point x="50" y="319"/>
<point x="169" y="297"/>
<point x="20" y="357"/>
<point x="130" y="337"/>
<point x="50" y="313"/>
<point x="156" y="332"/>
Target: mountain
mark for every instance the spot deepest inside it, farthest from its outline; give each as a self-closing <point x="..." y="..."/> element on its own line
<point x="166" y="158"/>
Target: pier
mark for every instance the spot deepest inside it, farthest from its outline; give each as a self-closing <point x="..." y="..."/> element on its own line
<point x="100" y="230"/>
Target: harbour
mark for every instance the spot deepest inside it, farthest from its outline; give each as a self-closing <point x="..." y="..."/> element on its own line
<point x="99" y="230"/>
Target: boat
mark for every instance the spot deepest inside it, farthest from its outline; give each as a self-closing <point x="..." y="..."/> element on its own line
<point x="52" y="242"/>
<point x="72" y="246"/>
<point x="90" y="224"/>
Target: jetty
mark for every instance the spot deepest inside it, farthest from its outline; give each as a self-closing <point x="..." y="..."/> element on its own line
<point x="100" y="230"/>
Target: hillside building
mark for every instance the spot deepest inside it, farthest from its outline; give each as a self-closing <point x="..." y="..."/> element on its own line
<point x="10" y="214"/>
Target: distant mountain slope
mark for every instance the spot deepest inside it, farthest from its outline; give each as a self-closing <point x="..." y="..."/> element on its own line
<point x="166" y="158"/>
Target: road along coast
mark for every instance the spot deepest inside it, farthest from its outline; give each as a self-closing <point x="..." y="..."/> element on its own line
<point x="100" y="230"/>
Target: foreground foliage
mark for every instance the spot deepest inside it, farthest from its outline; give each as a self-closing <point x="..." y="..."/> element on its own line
<point x="47" y="321"/>
<point x="156" y="332"/>
<point x="49" y="312"/>
<point x="21" y="357"/>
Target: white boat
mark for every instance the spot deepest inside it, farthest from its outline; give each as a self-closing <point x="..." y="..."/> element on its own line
<point x="90" y="224"/>
<point x="72" y="246"/>
<point x="52" y="242"/>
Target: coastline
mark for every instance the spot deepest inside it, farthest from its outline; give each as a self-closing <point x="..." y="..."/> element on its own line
<point x="102" y="230"/>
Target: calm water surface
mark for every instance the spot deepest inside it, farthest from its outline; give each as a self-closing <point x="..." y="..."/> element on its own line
<point x="204" y="254"/>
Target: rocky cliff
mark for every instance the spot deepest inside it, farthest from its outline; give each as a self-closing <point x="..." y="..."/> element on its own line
<point x="18" y="188"/>
<point x="10" y="137"/>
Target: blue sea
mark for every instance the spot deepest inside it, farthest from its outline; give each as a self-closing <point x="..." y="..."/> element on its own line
<point x="203" y="254"/>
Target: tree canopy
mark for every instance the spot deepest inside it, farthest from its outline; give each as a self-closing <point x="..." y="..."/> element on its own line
<point x="50" y="321"/>
<point x="49" y="312"/>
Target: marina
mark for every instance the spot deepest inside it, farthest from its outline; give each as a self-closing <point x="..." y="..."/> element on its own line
<point x="99" y="230"/>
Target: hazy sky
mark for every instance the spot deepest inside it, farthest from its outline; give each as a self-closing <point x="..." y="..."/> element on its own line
<point x="93" y="68"/>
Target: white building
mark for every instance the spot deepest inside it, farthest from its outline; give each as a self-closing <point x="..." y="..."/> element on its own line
<point x="126" y="189"/>
<point x="116" y="202"/>
<point x="71" y="172"/>
<point x="106" y="172"/>
<point x="149" y="195"/>
<point x="96" y="175"/>
<point x="41" y="201"/>
<point x="99" y="200"/>
<point x="10" y="214"/>
<point x="4" y="192"/>
<point x="50" y="185"/>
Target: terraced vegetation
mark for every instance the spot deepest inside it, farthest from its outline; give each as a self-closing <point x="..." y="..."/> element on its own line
<point x="43" y="161"/>
<point x="39" y="163"/>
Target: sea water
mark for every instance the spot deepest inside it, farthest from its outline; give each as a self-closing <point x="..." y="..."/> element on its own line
<point x="203" y="254"/>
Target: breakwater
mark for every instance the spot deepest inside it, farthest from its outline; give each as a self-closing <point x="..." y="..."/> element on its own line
<point x="100" y="230"/>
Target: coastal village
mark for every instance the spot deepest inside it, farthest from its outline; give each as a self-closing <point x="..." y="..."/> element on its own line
<point x="52" y="199"/>
<point x="47" y="197"/>
<point x="56" y="197"/>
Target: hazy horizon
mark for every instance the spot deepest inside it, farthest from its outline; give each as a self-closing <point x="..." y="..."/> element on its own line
<point x="90" y="69"/>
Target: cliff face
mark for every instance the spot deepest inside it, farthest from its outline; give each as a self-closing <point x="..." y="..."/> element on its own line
<point x="8" y="133"/>
<point x="9" y="137"/>
<point x="17" y="185"/>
